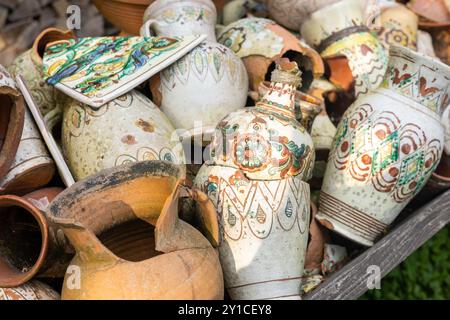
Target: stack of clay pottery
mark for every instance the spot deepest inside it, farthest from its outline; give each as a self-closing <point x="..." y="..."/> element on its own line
<point x="260" y="159"/>
<point x="396" y="25"/>
<point x="25" y="164"/>
<point x="163" y="258"/>
<point x="29" y="244"/>
<point x="205" y="85"/>
<point x="128" y="129"/>
<point x="33" y="290"/>
<point x="355" y="57"/>
<point x="259" y="42"/>
<point x="387" y="146"/>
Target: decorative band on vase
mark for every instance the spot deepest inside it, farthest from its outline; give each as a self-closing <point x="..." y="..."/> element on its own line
<point x="366" y="226"/>
<point x="336" y="36"/>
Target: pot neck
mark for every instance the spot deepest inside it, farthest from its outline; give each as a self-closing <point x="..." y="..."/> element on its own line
<point x="280" y="98"/>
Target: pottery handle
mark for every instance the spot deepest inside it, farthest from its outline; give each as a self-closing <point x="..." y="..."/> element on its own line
<point x="146" y="29"/>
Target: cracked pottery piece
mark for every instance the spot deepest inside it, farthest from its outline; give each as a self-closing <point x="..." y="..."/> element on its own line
<point x="12" y="115"/>
<point x="355" y="56"/>
<point x="259" y="160"/>
<point x="128" y="129"/>
<point x="29" y="244"/>
<point x="29" y="65"/>
<point x="384" y="152"/>
<point x="179" y="262"/>
<point x="200" y="89"/>
<point x="259" y="42"/>
<point x="32" y="167"/>
<point x="33" y="290"/>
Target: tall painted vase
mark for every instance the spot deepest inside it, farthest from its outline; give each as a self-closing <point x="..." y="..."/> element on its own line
<point x="260" y="159"/>
<point x="387" y="145"/>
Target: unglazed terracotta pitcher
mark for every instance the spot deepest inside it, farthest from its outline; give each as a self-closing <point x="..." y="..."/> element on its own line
<point x="12" y="114"/>
<point x="29" y="65"/>
<point x="356" y="58"/>
<point x="29" y="245"/>
<point x="259" y="42"/>
<point x="129" y="128"/>
<point x="260" y="157"/>
<point x="387" y="146"/>
<point x="179" y="263"/>
<point x="205" y="85"/>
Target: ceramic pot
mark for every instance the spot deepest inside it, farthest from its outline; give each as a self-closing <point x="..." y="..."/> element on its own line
<point x="29" y="65"/>
<point x="210" y="69"/>
<point x="32" y="167"/>
<point x="355" y="56"/>
<point x="12" y="113"/>
<point x="129" y="128"/>
<point x="259" y="159"/>
<point x="29" y="244"/>
<point x="307" y="107"/>
<point x="386" y="147"/>
<point x="438" y="183"/>
<point x="425" y="44"/>
<point x="33" y="290"/>
<point x="441" y="40"/>
<point x="183" y="264"/>
<point x="396" y="25"/>
<point x="292" y="13"/>
<point x="239" y="9"/>
<point x="259" y="42"/>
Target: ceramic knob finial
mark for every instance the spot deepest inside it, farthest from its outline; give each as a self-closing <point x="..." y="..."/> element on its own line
<point x="288" y="72"/>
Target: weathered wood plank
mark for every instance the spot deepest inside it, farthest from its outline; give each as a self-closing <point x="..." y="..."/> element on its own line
<point x="351" y="281"/>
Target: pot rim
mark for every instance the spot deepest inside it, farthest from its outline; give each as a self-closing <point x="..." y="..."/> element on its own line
<point x="22" y="277"/>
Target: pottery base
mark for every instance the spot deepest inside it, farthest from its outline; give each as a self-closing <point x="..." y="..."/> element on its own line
<point x="282" y="289"/>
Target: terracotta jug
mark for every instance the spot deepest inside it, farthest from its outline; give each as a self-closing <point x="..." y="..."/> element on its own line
<point x="29" y="66"/>
<point x="259" y="42"/>
<point x="33" y="290"/>
<point x="12" y="113"/>
<point x="129" y="128"/>
<point x="356" y="58"/>
<point x="259" y="159"/>
<point x="29" y="245"/>
<point x="205" y="85"/>
<point x="387" y="146"/>
<point x="182" y="263"/>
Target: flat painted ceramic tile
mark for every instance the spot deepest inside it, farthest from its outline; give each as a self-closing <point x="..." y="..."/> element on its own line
<point x="95" y="71"/>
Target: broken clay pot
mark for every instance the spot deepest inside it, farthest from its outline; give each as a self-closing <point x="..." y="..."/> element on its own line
<point x="259" y="42"/>
<point x="33" y="290"/>
<point x="182" y="265"/>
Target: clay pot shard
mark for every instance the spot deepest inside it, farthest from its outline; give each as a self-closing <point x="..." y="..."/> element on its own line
<point x="12" y="114"/>
<point x="33" y="290"/>
<point x="28" y="244"/>
<point x="181" y="264"/>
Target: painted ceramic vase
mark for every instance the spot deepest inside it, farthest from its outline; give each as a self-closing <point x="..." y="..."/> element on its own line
<point x="260" y="157"/>
<point x="29" y="65"/>
<point x="181" y="264"/>
<point x="396" y="25"/>
<point x="259" y="42"/>
<point x="355" y="56"/>
<point x="387" y="146"/>
<point x="130" y="128"/>
<point x="29" y="245"/>
<point x="292" y="13"/>
<point x="12" y="114"/>
<point x="33" y="290"/>
<point x="32" y="167"/>
<point x="205" y="85"/>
